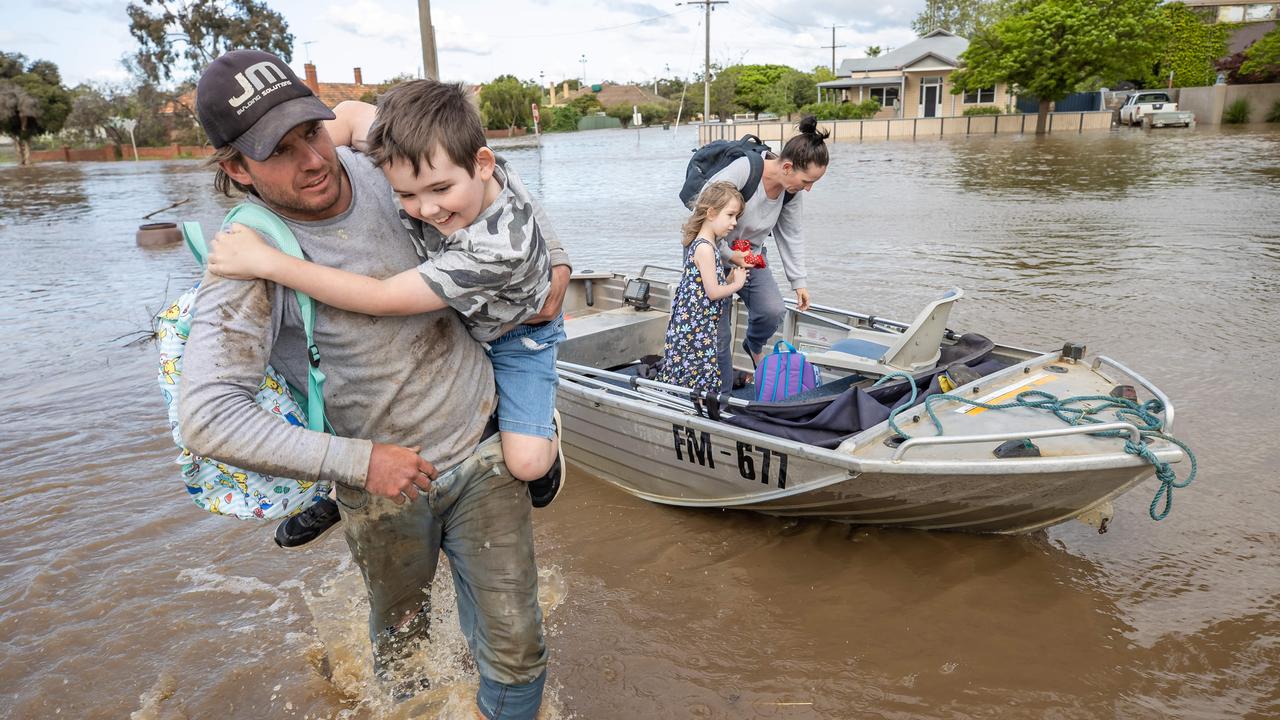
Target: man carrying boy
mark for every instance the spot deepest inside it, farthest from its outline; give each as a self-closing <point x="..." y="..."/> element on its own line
<point x="395" y="386"/>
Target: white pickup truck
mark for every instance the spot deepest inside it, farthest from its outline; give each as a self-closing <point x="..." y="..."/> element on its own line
<point x="1154" y="109"/>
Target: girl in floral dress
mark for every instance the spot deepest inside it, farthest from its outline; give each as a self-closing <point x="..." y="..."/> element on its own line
<point x="703" y="291"/>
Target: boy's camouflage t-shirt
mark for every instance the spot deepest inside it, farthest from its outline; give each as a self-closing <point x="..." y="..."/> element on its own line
<point x="497" y="271"/>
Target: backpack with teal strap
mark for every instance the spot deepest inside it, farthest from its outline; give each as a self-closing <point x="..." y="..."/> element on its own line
<point x="216" y="486"/>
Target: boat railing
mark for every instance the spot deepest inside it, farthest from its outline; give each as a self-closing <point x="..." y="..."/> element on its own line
<point x="871" y="320"/>
<point x="644" y="270"/>
<point x="1134" y="434"/>
<point x="648" y="389"/>
<point x="1101" y="360"/>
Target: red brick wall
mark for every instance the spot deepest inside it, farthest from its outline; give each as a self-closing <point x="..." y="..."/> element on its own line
<point x="491" y="134"/>
<point x="119" y="152"/>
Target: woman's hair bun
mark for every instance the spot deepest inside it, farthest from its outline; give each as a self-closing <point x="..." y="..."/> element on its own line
<point x="808" y="124"/>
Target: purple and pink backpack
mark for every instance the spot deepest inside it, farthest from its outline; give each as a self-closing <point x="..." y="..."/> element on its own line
<point x="784" y="373"/>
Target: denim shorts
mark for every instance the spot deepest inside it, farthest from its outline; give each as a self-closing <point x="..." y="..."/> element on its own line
<point x="524" y="369"/>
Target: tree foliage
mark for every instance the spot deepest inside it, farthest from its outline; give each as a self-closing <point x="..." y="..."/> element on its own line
<point x="562" y="118"/>
<point x="842" y="111"/>
<point x="790" y="91"/>
<point x="586" y="104"/>
<point x="756" y="85"/>
<point x="1263" y="57"/>
<point x="177" y="35"/>
<point x="724" y="89"/>
<point x="1051" y="48"/>
<point x="507" y="103"/>
<point x="32" y="100"/>
<point x="962" y="17"/>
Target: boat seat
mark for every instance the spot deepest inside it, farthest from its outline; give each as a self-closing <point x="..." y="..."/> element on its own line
<point x="613" y="337"/>
<point x="876" y="352"/>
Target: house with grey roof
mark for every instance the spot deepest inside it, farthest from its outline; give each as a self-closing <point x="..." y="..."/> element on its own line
<point x="912" y="81"/>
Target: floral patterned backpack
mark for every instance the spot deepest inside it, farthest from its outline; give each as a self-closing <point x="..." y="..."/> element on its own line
<point x="213" y="485"/>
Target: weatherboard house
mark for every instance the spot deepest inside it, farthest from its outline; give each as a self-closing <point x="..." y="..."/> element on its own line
<point x="912" y="81"/>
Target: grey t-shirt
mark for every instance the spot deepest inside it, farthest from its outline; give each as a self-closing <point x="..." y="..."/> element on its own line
<point x="496" y="272"/>
<point x="764" y="215"/>
<point x="419" y="380"/>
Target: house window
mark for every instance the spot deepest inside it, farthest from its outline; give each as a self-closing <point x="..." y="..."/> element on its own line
<point x="1230" y="13"/>
<point x="1258" y="13"/>
<point x="981" y="95"/>
<point x="886" y="96"/>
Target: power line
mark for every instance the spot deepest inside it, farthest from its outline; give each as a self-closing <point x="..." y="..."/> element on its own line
<point x="778" y="17"/>
<point x="592" y="30"/>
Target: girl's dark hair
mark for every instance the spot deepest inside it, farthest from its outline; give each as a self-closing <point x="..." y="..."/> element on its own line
<point x="809" y="147"/>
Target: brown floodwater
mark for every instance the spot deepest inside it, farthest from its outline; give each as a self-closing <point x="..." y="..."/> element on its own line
<point x="119" y="598"/>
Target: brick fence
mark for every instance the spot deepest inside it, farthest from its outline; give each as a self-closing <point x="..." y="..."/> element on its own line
<point x="108" y="153"/>
<point x="495" y="134"/>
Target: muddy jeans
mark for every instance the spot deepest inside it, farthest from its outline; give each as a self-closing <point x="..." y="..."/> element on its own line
<point x="480" y="517"/>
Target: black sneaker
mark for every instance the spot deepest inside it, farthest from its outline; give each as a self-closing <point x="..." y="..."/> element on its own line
<point x="545" y="489"/>
<point x="308" y="525"/>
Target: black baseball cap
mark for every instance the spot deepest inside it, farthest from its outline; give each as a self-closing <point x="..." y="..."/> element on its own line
<point x="249" y="99"/>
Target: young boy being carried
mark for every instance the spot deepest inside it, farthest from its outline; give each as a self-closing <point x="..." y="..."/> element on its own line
<point x="484" y="240"/>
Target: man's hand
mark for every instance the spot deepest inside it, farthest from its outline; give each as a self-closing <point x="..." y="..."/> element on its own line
<point x="739" y="259"/>
<point x="397" y="473"/>
<point x="802" y="299"/>
<point x="555" y="299"/>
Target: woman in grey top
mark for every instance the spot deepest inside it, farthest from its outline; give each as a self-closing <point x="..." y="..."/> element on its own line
<point x="772" y="208"/>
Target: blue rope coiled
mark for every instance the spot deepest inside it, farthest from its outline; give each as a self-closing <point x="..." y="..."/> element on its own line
<point x="1141" y="415"/>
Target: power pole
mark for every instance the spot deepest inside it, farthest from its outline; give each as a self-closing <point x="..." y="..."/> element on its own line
<point x="833" y="47"/>
<point x="706" y="61"/>
<point x="430" y="62"/>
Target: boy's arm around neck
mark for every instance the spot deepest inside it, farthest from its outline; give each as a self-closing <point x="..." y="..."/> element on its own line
<point x="230" y="344"/>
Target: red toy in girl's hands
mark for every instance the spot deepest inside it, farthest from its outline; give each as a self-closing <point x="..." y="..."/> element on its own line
<point x="743" y="246"/>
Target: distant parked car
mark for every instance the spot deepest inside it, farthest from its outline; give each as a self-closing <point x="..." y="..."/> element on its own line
<point x="1153" y="109"/>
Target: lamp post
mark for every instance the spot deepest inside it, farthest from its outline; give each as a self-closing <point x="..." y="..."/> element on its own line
<point x="584" y="68"/>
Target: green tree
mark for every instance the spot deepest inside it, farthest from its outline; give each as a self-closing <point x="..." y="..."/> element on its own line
<point x="174" y="33"/>
<point x="842" y="111"/>
<point x="755" y="85"/>
<point x="1264" y="55"/>
<point x="1191" y="46"/>
<point x="32" y="100"/>
<point x="507" y="103"/>
<point x="673" y="88"/>
<point x="821" y="73"/>
<point x="724" y="90"/>
<point x="1050" y="48"/>
<point x="586" y="104"/>
<point x="962" y="17"/>
<point x="873" y="51"/>
<point x="562" y="118"/>
<point x="792" y="90"/>
<point x="622" y="112"/>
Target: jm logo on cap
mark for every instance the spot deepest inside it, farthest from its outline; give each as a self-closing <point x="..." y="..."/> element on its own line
<point x="250" y="99"/>
<point x="256" y="78"/>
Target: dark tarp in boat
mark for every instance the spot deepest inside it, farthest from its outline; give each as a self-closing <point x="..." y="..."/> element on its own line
<point x="828" y="420"/>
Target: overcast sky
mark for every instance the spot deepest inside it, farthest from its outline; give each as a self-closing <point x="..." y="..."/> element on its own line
<point x="478" y="40"/>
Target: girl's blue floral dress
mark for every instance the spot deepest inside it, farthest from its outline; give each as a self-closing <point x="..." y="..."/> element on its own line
<point x="692" y="334"/>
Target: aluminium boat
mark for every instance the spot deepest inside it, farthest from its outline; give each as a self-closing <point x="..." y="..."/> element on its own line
<point x="863" y="448"/>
